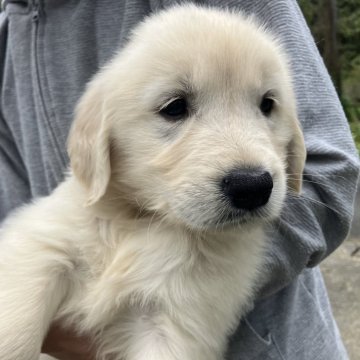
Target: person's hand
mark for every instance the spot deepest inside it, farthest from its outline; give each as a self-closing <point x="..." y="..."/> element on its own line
<point x="67" y="345"/>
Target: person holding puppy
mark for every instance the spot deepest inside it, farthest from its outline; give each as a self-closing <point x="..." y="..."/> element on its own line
<point x="49" y="52"/>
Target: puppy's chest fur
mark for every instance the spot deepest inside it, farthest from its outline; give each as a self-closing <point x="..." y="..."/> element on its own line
<point x="123" y="270"/>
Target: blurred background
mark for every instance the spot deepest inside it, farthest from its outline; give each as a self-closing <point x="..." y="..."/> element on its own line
<point x="335" y="25"/>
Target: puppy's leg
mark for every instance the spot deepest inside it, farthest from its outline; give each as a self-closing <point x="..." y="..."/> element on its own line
<point x="165" y="340"/>
<point x="157" y="337"/>
<point x="32" y="285"/>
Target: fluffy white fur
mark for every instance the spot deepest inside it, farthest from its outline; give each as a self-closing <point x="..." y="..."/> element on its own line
<point x="133" y="247"/>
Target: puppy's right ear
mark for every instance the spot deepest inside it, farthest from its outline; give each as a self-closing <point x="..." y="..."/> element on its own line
<point x="88" y="143"/>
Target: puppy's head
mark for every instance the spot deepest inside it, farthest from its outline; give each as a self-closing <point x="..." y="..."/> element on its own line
<point x="194" y="119"/>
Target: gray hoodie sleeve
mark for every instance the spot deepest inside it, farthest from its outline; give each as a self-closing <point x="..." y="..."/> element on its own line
<point x="14" y="187"/>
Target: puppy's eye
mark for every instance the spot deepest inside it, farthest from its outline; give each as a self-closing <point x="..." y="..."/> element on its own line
<point x="175" y="110"/>
<point x="267" y="105"/>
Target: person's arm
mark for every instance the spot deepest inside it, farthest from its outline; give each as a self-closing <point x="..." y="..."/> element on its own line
<point x="314" y="224"/>
<point x="14" y="186"/>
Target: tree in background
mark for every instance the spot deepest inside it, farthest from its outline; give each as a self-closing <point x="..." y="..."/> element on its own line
<point x="335" y="25"/>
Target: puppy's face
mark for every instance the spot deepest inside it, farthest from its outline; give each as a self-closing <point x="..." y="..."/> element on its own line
<point x="194" y="120"/>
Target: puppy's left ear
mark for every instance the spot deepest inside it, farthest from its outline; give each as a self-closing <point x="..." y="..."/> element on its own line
<point x="296" y="156"/>
<point x="88" y="142"/>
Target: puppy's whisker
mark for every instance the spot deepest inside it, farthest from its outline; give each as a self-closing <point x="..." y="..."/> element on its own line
<point x="305" y="174"/>
<point x="314" y="201"/>
<point x="310" y="181"/>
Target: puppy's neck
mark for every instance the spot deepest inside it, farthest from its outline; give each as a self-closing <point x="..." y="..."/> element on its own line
<point x="120" y="203"/>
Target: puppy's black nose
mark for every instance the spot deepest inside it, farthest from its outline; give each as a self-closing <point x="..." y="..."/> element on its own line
<point x="247" y="189"/>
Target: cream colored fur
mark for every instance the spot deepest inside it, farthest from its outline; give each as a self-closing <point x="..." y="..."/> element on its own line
<point x="130" y="248"/>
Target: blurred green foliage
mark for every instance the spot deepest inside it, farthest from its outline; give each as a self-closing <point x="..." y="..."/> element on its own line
<point x="347" y="27"/>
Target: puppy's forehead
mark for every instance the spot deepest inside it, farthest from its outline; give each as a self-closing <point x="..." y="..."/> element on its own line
<point x="209" y="47"/>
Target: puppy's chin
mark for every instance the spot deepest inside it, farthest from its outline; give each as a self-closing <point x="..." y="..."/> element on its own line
<point x="226" y="219"/>
<point x="239" y="218"/>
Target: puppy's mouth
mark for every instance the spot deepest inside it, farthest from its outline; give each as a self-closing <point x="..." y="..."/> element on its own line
<point x="239" y="217"/>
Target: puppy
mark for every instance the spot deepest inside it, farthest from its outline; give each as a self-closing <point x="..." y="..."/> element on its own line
<point x="180" y="151"/>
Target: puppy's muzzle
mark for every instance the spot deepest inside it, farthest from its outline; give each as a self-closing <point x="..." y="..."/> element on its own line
<point x="247" y="189"/>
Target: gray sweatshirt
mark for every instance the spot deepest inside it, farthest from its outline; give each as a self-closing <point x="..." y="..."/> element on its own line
<point x="50" y="49"/>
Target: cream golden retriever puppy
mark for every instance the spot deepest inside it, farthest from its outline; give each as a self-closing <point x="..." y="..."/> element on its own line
<point x="180" y="151"/>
